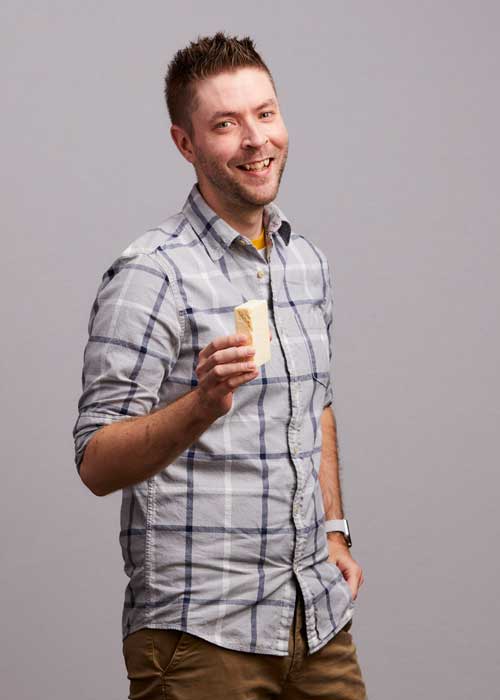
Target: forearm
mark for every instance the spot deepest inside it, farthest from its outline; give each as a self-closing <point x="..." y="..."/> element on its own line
<point x="329" y="477"/>
<point x="134" y="449"/>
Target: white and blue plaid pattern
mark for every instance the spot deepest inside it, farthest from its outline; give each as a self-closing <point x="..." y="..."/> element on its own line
<point x="216" y="543"/>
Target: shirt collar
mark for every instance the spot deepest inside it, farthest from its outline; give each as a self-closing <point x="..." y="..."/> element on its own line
<point x="216" y="234"/>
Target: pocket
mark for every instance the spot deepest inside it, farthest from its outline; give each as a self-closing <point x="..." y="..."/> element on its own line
<point x="315" y="350"/>
<point x="347" y="627"/>
<point x="320" y="380"/>
<point x="167" y="647"/>
<point x="151" y="652"/>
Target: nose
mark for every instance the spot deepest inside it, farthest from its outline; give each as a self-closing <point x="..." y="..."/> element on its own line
<point x="254" y="137"/>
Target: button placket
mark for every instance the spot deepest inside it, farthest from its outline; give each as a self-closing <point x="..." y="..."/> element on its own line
<point x="293" y="431"/>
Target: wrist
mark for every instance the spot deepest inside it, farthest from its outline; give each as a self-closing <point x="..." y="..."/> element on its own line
<point x="337" y="538"/>
<point x="203" y="410"/>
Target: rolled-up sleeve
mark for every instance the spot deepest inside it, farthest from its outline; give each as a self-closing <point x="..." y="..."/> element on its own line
<point x="135" y="334"/>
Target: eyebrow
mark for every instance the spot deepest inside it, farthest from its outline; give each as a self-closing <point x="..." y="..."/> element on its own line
<point x="225" y="113"/>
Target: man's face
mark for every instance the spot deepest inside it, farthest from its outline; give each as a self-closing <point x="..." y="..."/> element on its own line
<point x="238" y="122"/>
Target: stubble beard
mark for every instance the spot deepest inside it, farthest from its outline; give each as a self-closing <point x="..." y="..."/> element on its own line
<point x="235" y="192"/>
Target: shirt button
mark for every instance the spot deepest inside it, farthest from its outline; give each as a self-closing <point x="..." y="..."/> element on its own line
<point x="242" y="241"/>
<point x="295" y="450"/>
<point x="260" y="274"/>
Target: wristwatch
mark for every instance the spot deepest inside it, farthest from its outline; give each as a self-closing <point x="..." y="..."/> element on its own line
<point x="339" y="526"/>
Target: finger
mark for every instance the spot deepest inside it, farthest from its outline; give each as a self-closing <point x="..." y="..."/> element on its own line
<point x="358" y="585"/>
<point x="232" y="354"/>
<point x="221" y="342"/>
<point x="233" y="382"/>
<point x="220" y="373"/>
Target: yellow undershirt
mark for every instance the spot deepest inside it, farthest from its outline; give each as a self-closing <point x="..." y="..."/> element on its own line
<point x="260" y="242"/>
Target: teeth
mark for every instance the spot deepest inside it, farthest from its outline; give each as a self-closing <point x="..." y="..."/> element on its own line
<point x="258" y="166"/>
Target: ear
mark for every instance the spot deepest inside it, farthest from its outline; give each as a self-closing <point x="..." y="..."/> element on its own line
<point x="183" y="142"/>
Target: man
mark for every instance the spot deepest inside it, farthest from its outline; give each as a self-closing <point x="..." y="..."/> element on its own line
<point x="228" y="471"/>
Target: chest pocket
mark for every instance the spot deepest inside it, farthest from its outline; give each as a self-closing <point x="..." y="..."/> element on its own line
<point x="313" y="356"/>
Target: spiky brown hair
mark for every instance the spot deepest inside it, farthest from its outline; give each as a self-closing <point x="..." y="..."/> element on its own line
<point x="207" y="56"/>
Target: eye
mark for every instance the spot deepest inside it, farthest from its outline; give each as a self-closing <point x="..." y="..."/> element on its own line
<point x="221" y="124"/>
<point x="266" y="113"/>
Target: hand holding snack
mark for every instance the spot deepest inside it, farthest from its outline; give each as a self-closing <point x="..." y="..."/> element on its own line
<point x="231" y="360"/>
<point x="223" y="365"/>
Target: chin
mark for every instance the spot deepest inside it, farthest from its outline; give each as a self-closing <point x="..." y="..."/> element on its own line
<point x="261" y="198"/>
<point x="259" y="201"/>
<point x="267" y="200"/>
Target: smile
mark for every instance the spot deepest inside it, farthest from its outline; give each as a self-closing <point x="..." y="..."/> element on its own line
<point x="256" y="165"/>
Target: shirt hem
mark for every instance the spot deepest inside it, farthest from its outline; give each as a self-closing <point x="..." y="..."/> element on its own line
<point x="229" y="644"/>
<point x="333" y="633"/>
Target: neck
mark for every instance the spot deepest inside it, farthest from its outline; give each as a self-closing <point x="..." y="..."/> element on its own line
<point x="246" y="220"/>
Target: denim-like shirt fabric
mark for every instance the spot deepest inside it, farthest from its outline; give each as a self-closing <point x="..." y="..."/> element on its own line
<point x="216" y="543"/>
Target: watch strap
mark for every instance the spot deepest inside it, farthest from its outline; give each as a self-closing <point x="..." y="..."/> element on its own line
<point x="339" y="526"/>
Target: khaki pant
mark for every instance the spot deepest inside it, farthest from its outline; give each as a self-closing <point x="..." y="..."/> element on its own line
<point x="173" y="665"/>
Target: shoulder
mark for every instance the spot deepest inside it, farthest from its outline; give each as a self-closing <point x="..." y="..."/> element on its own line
<point x="308" y="251"/>
<point x="152" y="247"/>
<point x="306" y="243"/>
<point x="171" y="233"/>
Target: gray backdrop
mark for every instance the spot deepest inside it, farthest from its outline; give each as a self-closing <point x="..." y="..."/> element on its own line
<point x="393" y="114"/>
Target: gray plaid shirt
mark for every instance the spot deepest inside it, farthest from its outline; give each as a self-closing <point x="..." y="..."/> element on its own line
<point x="216" y="543"/>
